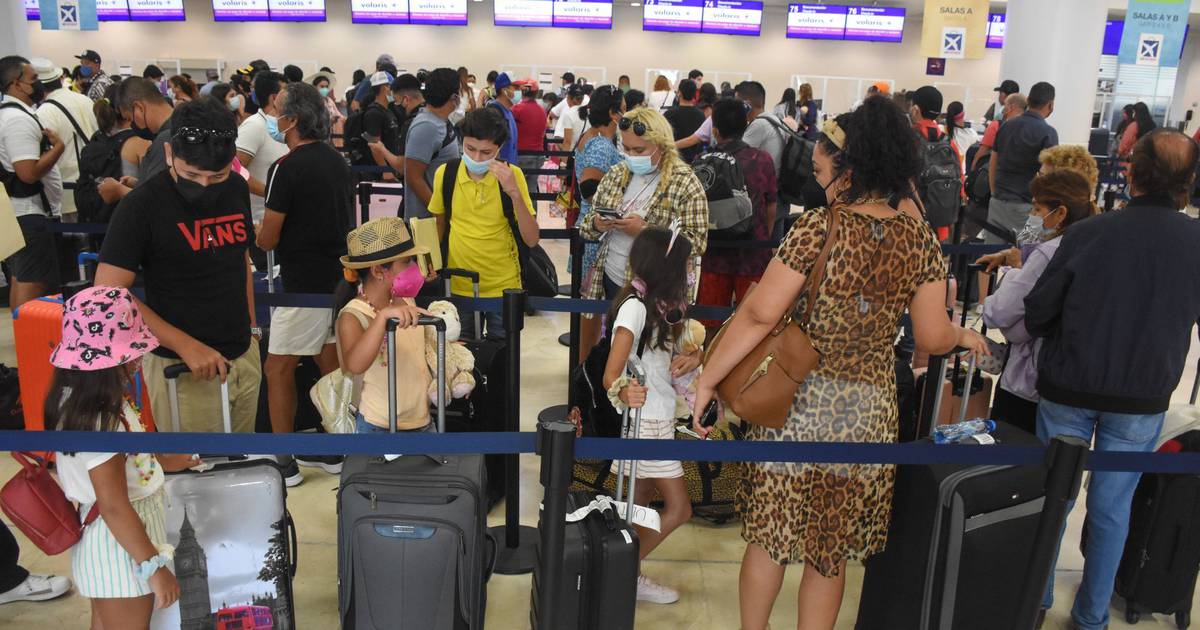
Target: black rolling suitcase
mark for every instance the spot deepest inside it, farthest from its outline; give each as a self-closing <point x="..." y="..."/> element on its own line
<point x="413" y="549"/>
<point x="600" y="561"/>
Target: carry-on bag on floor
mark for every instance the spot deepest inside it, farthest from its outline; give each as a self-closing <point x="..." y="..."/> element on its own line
<point x="600" y="557"/>
<point x="958" y="546"/>
<point x="413" y="552"/>
<point x="235" y="543"/>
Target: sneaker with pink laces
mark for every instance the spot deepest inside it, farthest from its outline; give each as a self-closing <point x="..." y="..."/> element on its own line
<point x="650" y="591"/>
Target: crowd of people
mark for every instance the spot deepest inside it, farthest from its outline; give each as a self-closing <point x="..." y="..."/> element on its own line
<point x="205" y="179"/>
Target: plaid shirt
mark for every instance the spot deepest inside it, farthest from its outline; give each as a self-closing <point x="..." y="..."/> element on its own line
<point x="679" y="194"/>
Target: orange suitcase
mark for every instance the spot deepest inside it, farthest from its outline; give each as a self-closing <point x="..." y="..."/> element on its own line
<point x="37" y="329"/>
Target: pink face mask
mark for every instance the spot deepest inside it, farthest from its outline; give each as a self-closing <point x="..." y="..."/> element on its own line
<point x="408" y="283"/>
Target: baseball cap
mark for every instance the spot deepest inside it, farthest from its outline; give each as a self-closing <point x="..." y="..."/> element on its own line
<point x="929" y="99"/>
<point x="882" y="87"/>
<point x="1008" y="86"/>
<point x="89" y="55"/>
<point x="385" y="60"/>
<point x="381" y="78"/>
<point x="575" y="91"/>
<point x="46" y="72"/>
<point x="502" y="81"/>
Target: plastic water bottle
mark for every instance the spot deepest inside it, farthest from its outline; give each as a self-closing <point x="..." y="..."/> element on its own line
<point x="949" y="433"/>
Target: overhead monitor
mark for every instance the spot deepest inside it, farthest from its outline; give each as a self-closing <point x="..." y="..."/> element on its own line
<point x="732" y="17"/>
<point x="438" y="12"/>
<point x="816" y="21"/>
<point x="995" y="32"/>
<point x="241" y="10"/>
<point x="1112" y="37"/>
<point x="875" y="24"/>
<point x="297" y="10"/>
<point x="674" y="16"/>
<point x="583" y="13"/>
<point x="156" y="10"/>
<point x="379" y="11"/>
<point x="112" y="10"/>
<point x="32" y="10"/>
<point x="524" y="12"/>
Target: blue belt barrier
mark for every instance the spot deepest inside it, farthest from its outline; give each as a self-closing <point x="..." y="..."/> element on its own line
<point x="588" y="448"/>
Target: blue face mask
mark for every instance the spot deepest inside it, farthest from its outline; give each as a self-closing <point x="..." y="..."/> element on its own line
<point x="391" y="98"/>
<point x="273" y="128"/>
<point x="85" y="71"/>
<point x="474" y="167"/>
<point x="234" y="103"/>
<point x="640" y="164"/>
<point x="324" y="92"/>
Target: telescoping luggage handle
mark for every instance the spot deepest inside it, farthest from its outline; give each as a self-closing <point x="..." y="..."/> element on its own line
<point x="439" y="325"/>
<point x="970" y="375"/>
<point x="172" y="372"/>
<point x="447" y="273"/>
<point x="634" y="366"/>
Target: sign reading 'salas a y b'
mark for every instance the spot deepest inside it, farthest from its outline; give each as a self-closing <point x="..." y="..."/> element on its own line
<point x="1154" y="31"/>
<point x="954" y="29"/>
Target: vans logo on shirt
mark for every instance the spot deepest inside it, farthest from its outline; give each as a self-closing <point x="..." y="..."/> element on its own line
<point x="215" y="232"/>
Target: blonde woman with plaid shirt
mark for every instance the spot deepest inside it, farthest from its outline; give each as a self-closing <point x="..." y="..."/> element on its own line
<point x="653" y="186"/>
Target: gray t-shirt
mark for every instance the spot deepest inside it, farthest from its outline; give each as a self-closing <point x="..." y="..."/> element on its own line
<point x="1019" y="145"/>
<point x="155" y="160"/>
<point x="764" y="136"/>
<point x="430" y="140"/>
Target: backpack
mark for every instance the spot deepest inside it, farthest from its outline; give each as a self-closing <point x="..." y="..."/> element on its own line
<point x="539" y="277"/>
<point x="796" y="167"/>
<point x="39" y="508"/>
<point x="100" y="158"/>
<point x="730" y="210"/>
<point x="979" y="189"/>
<point x="598" y="417"/>
<point x="940" y="181"/>
<point x="353" y="141"/>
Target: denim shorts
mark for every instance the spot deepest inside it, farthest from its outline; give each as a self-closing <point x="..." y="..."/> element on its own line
<point x="362" y="426"/>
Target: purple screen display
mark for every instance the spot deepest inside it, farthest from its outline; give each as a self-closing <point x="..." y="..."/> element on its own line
<point x="112" y="10"/>
<point x="438" y="12"/>
<point x="732" y="17"/>
<point x="378" y="12"/>
<point x="583" y="13"/>
<point x="240" y="11"/>
<point x="674" y="16"/>
<point x="156" y="11"/>
<point x="816" y="21"/>
<point x="995" y="32"/>
<point x="32" y="10"/>
<point x="523" y="12"/>
<point x="875" y="24"/>
<point x="297" y="10"/>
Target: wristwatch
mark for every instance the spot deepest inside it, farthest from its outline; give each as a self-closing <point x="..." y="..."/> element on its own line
<point x="256" y="331"/>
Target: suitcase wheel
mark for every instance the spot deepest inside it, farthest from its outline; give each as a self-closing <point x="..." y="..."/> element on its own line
<point x="1132" y="616"/>
<point x="1183" y="619"/>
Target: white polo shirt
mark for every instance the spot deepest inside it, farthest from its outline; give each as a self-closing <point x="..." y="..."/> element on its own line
<point x="21" y="139"/>
<point x="53" y="118"/>
<point x="263" y="151"/>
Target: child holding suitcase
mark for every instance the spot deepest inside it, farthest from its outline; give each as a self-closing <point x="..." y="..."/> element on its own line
<point x="382" y="278"/>
<point x="648" y="312"/>
<point x="121" y="562"/>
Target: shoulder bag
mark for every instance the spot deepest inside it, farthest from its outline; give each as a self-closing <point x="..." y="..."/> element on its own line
<point x="760" y="389"/>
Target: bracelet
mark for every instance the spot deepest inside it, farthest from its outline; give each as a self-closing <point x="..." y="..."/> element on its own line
<point x="148" y="568"/>
<point x="614" y="393"/>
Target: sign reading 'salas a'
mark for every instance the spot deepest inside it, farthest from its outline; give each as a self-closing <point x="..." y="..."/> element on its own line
<point x="954" y="29"/>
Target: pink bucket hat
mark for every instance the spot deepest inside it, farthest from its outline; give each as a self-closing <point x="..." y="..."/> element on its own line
<point x="102" y="328"/>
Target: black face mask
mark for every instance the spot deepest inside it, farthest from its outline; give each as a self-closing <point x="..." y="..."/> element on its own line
<point x="38" y="94"/>
<point x="814" y="194"/>
<point x="198" y="194"/>
<point x="142" y="132"/>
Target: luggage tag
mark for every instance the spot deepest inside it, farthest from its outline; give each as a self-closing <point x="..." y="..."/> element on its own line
<point x="642" y="516"/>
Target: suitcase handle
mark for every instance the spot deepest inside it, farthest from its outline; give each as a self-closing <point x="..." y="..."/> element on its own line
<point x="439" y="325"/>
<point x="446" y="273"/>
<point x="172" y="374"/>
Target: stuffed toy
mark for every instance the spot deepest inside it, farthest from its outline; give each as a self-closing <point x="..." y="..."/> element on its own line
<point x="460" y="363"/>
<point x="690" y="340"/>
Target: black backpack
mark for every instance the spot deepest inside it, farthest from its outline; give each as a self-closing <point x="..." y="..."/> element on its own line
<point x="979" y="189"/>
<point x="730" y="210"/>
<point x="101" y="158"/>
<point x="797" y="165"/>
<point x="940" y="180"/>
<point x="355" y="145"/>
<point x="598" y="417"/>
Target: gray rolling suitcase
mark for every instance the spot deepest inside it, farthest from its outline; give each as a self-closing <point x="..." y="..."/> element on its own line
<point x="413" y="549"/>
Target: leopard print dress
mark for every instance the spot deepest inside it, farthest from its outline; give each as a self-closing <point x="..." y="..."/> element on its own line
<point x="825" y="514"/>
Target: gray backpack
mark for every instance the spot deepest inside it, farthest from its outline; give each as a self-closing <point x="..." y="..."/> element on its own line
<point x="730" y="210"/>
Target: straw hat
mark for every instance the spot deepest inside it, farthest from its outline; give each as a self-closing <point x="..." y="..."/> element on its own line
<point x="379" y="242"/>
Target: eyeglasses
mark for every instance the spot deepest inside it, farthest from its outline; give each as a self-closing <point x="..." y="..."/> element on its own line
<point x="196" y="135"/>
<point x="639" y="128"/>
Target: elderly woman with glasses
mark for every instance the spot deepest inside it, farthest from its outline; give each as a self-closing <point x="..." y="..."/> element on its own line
<point x="652" y="186"/>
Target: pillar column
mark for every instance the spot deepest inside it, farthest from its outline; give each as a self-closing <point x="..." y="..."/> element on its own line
<point x="14" y="29"/>
<point x="1057" y="41"/>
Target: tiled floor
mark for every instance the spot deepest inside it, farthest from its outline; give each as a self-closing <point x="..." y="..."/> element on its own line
<point x="700" y="560"/>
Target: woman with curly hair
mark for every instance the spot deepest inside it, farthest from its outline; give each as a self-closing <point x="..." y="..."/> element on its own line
<point x="883" y="261"/>
<point x="1071" y="157"/>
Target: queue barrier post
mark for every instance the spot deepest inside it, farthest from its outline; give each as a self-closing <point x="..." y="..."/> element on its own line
<point x="517" y="555"/>
<point x="556" y="447"/>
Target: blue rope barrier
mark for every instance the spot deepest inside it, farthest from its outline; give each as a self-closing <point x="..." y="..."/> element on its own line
<point x="587" y="448"/>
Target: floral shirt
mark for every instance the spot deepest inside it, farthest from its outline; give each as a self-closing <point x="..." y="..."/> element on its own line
<point x="762" y="184"/>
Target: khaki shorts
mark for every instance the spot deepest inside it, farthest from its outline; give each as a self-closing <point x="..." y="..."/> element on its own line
<point x="200" y="401"/>
<point x="300" y="332"/>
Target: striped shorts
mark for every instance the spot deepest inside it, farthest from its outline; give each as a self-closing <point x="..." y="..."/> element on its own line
<point x="101" y="566"/>
<point x="654" y="469"/>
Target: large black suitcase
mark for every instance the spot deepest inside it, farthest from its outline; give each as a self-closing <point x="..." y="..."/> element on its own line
<point x="1162" y="552"/>
<point x="413" y="548"/>
<point x="959" y="545"/>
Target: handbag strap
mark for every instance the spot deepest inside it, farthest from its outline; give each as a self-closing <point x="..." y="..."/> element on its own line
<point x="813" y="281"/>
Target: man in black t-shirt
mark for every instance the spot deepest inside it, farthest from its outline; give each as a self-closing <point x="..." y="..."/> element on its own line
<point x="306" y="221"/>
<point x="686" y="118"/>
<point x="379" y="123"/>
<point x="188" y="229"/>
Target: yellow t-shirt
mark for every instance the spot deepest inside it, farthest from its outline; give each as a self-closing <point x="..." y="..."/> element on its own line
<point x="480" y="237"/>
<point x="412" y="378"/>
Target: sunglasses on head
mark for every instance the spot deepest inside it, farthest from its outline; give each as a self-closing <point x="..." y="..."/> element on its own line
<point x="196" y="135"/>
<point x="639" y="128"/>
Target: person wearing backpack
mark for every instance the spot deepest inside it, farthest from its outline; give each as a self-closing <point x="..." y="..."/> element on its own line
<point x="122" y="560"/>
<point x="727" y="273"/>
<point x="374" y="123"/>
<point x="112" y="154"/>
<point x="940" y="184"/>
<point x="70" y="115"/>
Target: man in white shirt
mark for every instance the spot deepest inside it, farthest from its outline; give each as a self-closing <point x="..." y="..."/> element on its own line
<point x="559" y="110"/>
<point x="69" y="114"/>
<point x="571" y="125"/>
<point x="256" y="149"/>
<point x="27" y="168"/>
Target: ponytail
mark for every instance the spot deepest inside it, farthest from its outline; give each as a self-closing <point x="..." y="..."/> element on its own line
<point x="346" y="290"/>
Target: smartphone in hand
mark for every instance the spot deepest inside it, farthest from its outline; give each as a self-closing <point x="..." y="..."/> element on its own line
<point x="608" y="214"/>
<point x="709" y="417"/>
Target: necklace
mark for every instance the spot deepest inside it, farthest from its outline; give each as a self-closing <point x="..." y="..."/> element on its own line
<point x="862" y="201"/>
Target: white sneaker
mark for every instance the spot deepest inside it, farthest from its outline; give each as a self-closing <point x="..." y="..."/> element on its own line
<point x="37" y="588"/>
<point x="291" y="475"/>
<point x="650" y="591"/>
